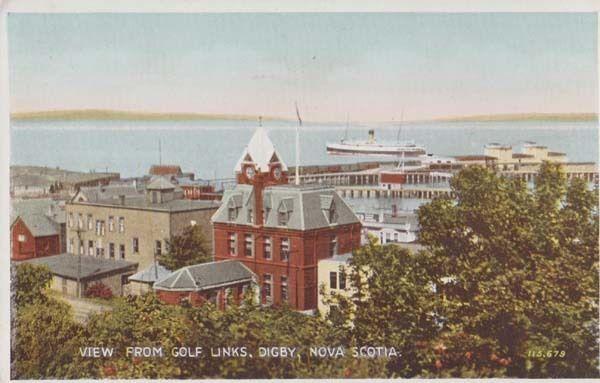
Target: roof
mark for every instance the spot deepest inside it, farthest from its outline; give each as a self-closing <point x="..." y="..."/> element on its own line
<point x="163" y="170"/>
<point x="205" y="276"/>
<point x="66" y="265"/>
<point x="160" y="183"/>
<point x="260" y="151"/>
<point x="30" y="180"/>
<point x="342" y="258"/>
<point x="556" y="154"/>
<point x="103" y="192"/>
<point x="40" y="225"/>
<point x="42" y="217"/>
<point x="306" y="206"/>
<point x="474" y="157"/>
<point x="141" y="202"/>
<point x="522" y="155"/>
<point x="153" y="273"/>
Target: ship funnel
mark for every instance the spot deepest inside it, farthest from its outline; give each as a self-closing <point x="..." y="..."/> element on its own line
<point x="371" y="135"/>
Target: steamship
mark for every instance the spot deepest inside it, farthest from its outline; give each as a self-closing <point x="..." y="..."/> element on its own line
<point x="371" y="147"/>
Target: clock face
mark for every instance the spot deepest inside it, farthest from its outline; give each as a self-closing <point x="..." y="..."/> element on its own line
<point x="250" y="172"/>
<point x="277" y="173"/>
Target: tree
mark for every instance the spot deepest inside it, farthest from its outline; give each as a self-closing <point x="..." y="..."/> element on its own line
<point x="392" y="304"/>
<point x="188" y="248"/>
<point x="29" y="283"/>
<point x="523" y="274"/>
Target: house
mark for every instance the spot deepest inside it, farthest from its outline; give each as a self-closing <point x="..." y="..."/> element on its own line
<point x="73" y="274"/>
<point x="135" y="226"/>
<point x="37" y="228"/>
<point x="142" y="281"/>
<point x="390" y="228"/>
<point x="220" y="283"/>
<point x="333" y="278"/>
<point x="279" y="230"/>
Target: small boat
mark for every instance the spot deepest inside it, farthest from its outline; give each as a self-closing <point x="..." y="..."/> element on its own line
<point x="372" y="148"/>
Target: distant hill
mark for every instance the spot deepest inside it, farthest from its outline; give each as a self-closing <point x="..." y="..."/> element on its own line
<point x="525" y="117"/>
<point x="104" y="114"/>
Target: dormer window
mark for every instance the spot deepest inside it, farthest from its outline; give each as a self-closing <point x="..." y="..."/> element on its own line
<point x="283" y="218"/>
<point x="232" y="213"/>
<point x="332" y="214"/>
<point x="233" y="207"/>
<point x="283" y="212"/>
<point x="328" y="208"/>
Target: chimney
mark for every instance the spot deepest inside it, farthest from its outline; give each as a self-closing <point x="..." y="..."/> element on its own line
<point x="122" y="199"/>
<point x="394" y="210"/>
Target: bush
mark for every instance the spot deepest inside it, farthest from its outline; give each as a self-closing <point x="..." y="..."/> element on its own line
<point x="99" y="290"/>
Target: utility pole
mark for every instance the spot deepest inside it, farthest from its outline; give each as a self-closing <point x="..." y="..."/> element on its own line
<point x="79" y="247"/>
<point x="297" y="178"/>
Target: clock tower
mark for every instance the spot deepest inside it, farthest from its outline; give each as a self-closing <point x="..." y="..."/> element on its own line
<point x="260" y="166"/>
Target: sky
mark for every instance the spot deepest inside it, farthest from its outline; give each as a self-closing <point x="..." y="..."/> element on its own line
<point x="365" y="67"/>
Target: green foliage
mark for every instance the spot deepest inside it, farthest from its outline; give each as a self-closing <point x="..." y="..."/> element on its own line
<point x="29" y="283"/>
<point x="45" y="341"/>
<point x="524" y="274"/>
<point x="188" y="248"/>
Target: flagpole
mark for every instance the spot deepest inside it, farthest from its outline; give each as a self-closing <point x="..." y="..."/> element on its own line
<point x="297" y="178"/>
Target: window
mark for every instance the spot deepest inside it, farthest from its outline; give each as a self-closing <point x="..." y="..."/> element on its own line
<point x="135" y="245"/>
<point x="268" y="288"/>
<point x="284" y="288"/>
<point x="332" y="215"/>
<point x="90" y="248"/>
<point x="232" y="243"/>
<point x="333" y="280"/>
<point x="70" y="219"/>
<point x="21" y="238"/>
<point x="154" y="197"/>
<point x="111" y="223"/>
<point x="388" y="237"/>
<point x="284" y="250"/>
<point x="158" y="247"/>
<point x="98" y="230"/>
<point x="283" y="218"/>
<point x="396" y="236"/>
<point x="250" y="216"/>
<point x="90" y="222"/>
<point x="233" y="213"/>
<point x="333" y="246"/>
<point x="248" y="245"/>
<point x="342" y="280"/>
<point x="99" y="249"/>
<point x="80" y="221"/>
<point x="81" y="250"/>
<point x="267" y="248"/>
<point x="193" y="223"/>
<point x="122" y="251"/>
<point x="121" y="224"/>
<point x="70" y="249"/>
<point x="111" y="250"/>
<point x="102" y="227"/>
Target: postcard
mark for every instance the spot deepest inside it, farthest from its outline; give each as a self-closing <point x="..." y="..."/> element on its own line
<point x="316" y="195"/>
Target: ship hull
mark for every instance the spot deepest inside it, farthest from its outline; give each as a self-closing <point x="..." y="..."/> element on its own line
<point x="374" y="150"/>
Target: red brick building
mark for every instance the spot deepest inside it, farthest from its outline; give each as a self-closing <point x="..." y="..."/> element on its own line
<point x="207" y="282"/>
<point x="279" y="230"/>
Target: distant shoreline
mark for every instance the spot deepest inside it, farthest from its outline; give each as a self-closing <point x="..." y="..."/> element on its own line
<point x="104" y="114"/>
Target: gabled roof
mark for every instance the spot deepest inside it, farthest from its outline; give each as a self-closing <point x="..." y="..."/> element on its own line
<point x="40" y="225"/>
<point x="160" y="183"/>
<point x="260" y="151"/>
<point x="153" y="273"/>
<point x="104" y="192"/>
<point x="205" y="276"/>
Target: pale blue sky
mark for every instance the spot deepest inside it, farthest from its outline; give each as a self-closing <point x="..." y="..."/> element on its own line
<point x="371" y="66"/>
